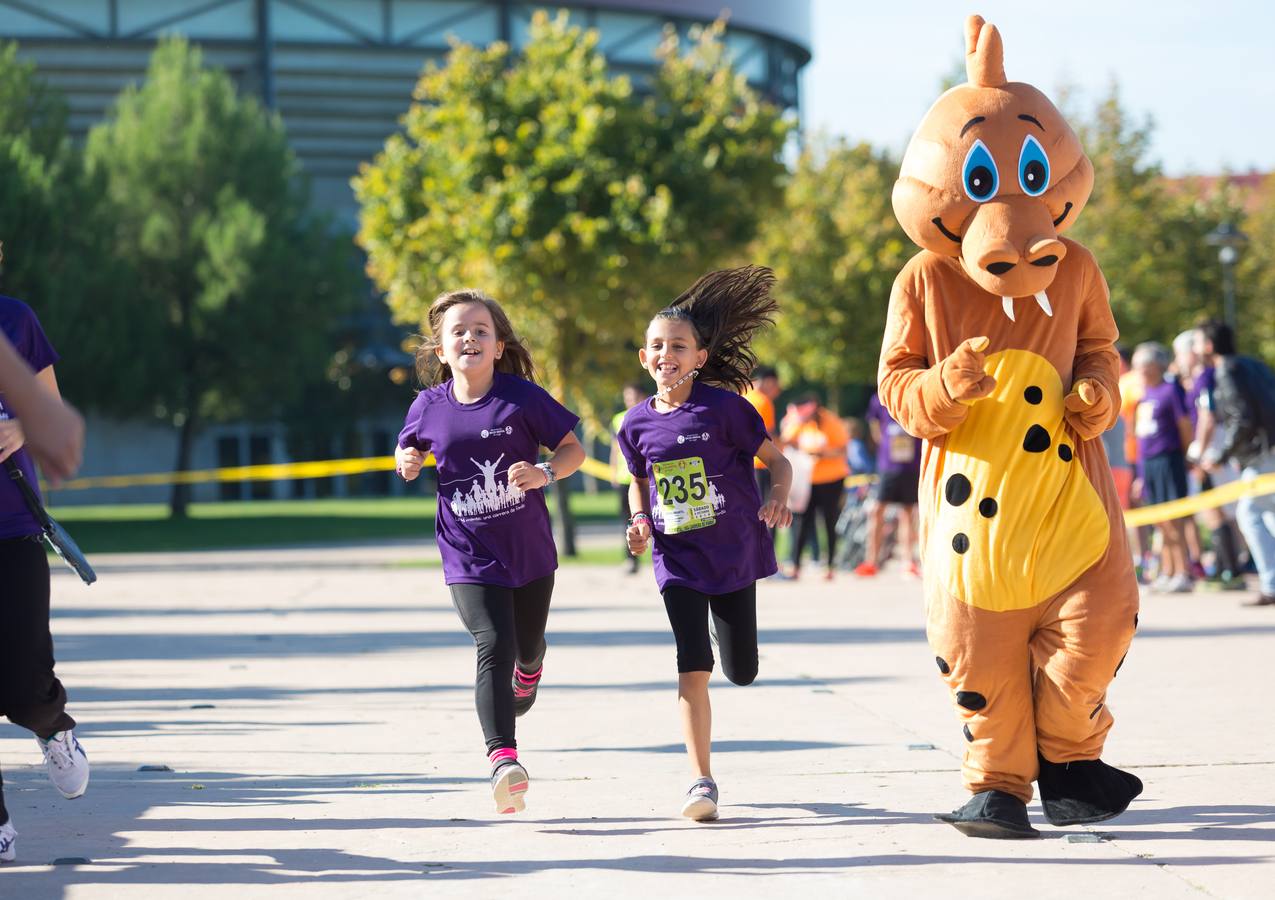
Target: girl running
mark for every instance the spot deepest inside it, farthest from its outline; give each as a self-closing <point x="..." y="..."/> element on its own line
<point x="690" y="449"/>
<point x="482" y="408"/>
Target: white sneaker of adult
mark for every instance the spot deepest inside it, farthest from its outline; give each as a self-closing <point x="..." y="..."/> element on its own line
<point x="8" y="842"/>
<point x="66" y="763"/>
<point x="1180" y="584"/>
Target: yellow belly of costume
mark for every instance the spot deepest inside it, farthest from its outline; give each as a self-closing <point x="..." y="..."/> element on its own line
<point x="1017" y="519"/>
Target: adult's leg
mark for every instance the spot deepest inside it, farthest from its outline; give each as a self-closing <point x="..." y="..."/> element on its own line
<point x="488" y="612"/>
<point x="735" y="620"/>
<point x="805" y="529"/>
<point x="827" y="500"/>
<point x="1256" y="519"/>
<point x="30" y="694"/>
<point x="984" y="659"/>
<point x="688" y="615"/>
<point x="907" y="531"/>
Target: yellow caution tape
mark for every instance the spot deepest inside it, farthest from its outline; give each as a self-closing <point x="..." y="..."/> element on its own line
<point x="1189" y="506"/>
<point x="1146" y="515"/>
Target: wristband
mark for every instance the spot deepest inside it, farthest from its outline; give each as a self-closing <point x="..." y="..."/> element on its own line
<point x="548" y="470"/>
<point x="636" y="517"/>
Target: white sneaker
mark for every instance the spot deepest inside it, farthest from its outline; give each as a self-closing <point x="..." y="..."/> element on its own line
<point x="1180" y="584"/>
<point x="67" y="764"/>
<point x="8" y="842"/>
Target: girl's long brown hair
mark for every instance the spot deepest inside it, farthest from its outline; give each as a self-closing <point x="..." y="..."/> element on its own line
<point x="516" y="359"/>
<point x="725" y="309"/>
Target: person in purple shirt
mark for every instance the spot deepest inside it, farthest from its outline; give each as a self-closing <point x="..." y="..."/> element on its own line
<point x="690" y="449"/>
<point x="485" y="420"/>
<point x="899" y="474"/>
<point x="30" y="693"/>
<point x="1162" y="427"/>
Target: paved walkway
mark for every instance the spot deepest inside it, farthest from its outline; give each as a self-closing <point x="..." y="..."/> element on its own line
<point x="315" y="711"/>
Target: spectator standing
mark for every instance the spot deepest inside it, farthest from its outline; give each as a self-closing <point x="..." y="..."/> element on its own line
<point x="899" y="471"/>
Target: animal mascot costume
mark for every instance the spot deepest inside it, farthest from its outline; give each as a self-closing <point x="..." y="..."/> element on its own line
<point x="999" y="352"/>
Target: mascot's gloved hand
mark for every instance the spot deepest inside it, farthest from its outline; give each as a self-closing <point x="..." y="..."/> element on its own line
<point x="1087" y="409"/>
<point x="962" y="372"/>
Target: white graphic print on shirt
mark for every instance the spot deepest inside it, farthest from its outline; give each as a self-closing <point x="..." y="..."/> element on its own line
<point x="486" y="500"/>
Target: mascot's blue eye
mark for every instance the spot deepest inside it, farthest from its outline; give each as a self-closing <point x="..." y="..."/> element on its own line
<point x="1033" y="168"/>
<point x="979" y="174"/>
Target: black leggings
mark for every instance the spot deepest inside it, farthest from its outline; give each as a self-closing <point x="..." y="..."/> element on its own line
<point x="506" y="623"/>
<point x="825" y="501"/>
<point x="30" y="694"/>
<point x="735" y="620"/>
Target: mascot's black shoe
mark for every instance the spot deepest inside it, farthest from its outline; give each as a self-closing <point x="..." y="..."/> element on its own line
<point x="992" y="814"/>
<point x="1080" y="793"/>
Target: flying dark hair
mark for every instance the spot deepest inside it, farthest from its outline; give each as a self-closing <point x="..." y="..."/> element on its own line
<point x="516" y="359"/>
<point x="725" y="309"/>
<point x="1220" y="335"/>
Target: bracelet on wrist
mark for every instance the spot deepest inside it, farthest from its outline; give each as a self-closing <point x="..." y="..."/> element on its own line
<point x="637" y="517"/>
<point x="550" y="477"/>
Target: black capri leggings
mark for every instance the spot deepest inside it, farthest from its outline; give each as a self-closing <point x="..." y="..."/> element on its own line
<point x="825" y="502"/>
<point x="735" y="620"/>
<point x="30" y="694"/>
<point x="506" y="623"/>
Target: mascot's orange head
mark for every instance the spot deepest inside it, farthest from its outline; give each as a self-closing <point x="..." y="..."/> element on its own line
<point x="993" y="175"/>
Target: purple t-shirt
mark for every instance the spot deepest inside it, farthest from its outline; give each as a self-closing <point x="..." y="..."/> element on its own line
<point x="1201" y="394"/>
<point x="704" y="497"/>
<point x="898" y="450"/>
<point x="23" y="330"/>
<point x="489" y="532"/>
<point x="1156" y="419"/>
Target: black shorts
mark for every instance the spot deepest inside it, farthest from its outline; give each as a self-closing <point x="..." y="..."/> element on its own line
<point x="899" y="487"/>
<point x="1163" y="478"/>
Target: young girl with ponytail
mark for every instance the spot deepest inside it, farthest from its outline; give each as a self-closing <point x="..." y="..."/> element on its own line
<point x="690" y="449"/>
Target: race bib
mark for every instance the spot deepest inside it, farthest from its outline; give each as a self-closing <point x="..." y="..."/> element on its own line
<point x="902" y="447"/>
<point x="681" y="486"/>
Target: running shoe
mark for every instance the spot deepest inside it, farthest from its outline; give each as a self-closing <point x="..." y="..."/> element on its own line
<point x="8" y="842"/>
<point x="865" y="569"/>
<point x="701" y="801"/>
<point x="525" y="686"/>
<point x="508" y="783"/>
<point x="1180" y="584"/>
<point x="911" y="570"/>
<point x="66" y="763"/>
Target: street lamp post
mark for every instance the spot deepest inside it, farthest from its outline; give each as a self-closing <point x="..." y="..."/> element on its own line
<point x="1229" y="241"/>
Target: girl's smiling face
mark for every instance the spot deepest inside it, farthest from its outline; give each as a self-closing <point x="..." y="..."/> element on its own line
<point x="468" y="341"/>
<point x="671" y="352"/>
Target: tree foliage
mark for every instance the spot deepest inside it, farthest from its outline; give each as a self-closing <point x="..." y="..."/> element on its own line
<point x="232" y="284"/>
<point x="1148" y="237"/>
<point x="836" y="248"/>
<point x="581" y="204"/>
<point x="54" y="255"/>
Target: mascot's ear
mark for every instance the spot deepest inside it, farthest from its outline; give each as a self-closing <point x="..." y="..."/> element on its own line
<point x="984" y="54"/>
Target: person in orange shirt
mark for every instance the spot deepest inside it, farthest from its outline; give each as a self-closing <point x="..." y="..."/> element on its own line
<point x="818" y="432"/>
<point x="1132" y="388"/>
<point x="762" y="395"/>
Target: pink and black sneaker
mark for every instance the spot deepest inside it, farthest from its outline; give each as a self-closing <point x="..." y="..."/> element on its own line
<point x="525" y="686"/>
<point x="509" y="781"/>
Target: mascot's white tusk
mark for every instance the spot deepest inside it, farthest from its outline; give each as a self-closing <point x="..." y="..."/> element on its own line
<point x="1043" y="302"/>
<point x="1007" y="304"/>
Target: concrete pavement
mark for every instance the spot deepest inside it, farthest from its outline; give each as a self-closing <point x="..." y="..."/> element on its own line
<point x="315" y="708"/>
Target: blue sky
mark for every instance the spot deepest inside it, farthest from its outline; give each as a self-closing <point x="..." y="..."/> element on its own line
<point x="1203" y="71"/>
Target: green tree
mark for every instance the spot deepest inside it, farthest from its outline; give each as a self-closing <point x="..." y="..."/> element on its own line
<point x="234" y="284"/>
<point x="581" y="205"/>
<point x="1256" y="277"/>
<point x="836" y="248"/>
<point x="1147" y="237"/>
<point x="54" y="252"/>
